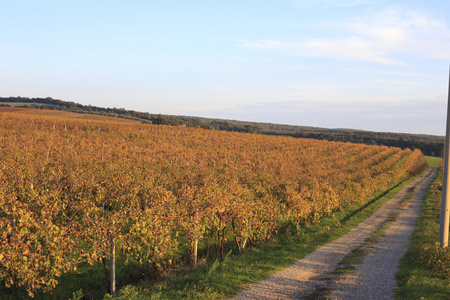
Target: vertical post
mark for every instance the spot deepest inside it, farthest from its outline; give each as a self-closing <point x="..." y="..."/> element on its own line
<point x="105" y="268"/>
<point x="13" y="222"/>
<point x="445" y="201"/>
<point x="195" y="251"/>
<point x="244" y="242"/>
<point x="196" y="239"/>
<point x="113" y="265"/>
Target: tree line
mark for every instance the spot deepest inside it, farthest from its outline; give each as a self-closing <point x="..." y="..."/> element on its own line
<point x="428" y="144"/>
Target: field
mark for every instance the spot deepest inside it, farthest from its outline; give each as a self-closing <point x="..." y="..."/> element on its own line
<point x="15" y="104"/>
<point x="63" y="114"/>
<point x="165" y="195"/>
<point x="13" y="109"/>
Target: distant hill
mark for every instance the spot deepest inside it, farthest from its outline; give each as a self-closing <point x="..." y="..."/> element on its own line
<point x="429" y="144"/>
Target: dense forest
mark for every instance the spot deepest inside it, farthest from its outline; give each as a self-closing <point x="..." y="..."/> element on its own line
<point x="428" y="144"/>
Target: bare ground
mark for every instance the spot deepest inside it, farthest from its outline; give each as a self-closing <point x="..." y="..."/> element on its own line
<point x="374" y="278"/>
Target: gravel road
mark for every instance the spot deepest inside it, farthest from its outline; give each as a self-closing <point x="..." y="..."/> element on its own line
<point x="374" y="277"/>
<point x="304" y="277"/>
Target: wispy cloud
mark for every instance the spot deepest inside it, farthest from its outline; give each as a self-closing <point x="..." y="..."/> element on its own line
<point x="222" y="88"/>
<point x="350" y="48"/>
<point x="398" y="82"/>
<point x="267" y="44"/>
<point x="384" y="37"/>
<point x="398" y="31"/>
<point x="396" y="116"/>
<point x="330" y="3"/>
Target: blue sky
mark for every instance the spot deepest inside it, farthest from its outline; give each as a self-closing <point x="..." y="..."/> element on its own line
<point x="364" y="64"/>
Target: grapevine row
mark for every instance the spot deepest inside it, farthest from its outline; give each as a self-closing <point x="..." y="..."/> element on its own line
<point x="65" y="181"/>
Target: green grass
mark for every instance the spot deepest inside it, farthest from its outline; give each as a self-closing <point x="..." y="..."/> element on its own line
<point x="434" y="162"/>
<point x="16" y="104"/>
<point x="416" y="278"/>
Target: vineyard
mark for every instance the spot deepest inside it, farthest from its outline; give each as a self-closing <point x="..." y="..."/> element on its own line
<point x="70" y="187"/>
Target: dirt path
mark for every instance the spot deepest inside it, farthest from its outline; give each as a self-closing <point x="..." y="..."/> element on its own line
<point x="304" y="277"/>
<point x="374" y="277"/>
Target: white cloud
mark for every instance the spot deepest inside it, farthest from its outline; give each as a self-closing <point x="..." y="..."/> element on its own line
<point x="410" y="83"/>
<point x="266" y="44"/>
<point x="396" y="115"/>
<point x="384" y="37"/>
<point x="350" y="48"/>
<point x="330" y="3"/>
<point x="222" y="88"/>
<point x="389" y="35"/>
<point x="398" y="31"/>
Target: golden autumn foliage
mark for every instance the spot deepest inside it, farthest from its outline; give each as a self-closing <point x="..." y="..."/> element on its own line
<point x="163" y="187"/>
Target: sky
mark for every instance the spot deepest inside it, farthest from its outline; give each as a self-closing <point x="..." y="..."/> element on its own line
<point x="374" y="65"/>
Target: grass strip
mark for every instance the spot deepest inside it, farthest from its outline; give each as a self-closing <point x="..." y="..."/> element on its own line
<point x="418" y="278"/>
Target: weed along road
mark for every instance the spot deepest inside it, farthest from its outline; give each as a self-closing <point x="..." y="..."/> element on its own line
<point x="374" y="277"/>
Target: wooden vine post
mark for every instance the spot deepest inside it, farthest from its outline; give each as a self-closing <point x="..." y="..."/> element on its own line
<point x="111" y="281"/>
<point x="13" y="222"/>
<point x="113" y="264"/>
<point x="195" y="239"/>
<point x="103" y="254"/>
<point x="445" y="202"/>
